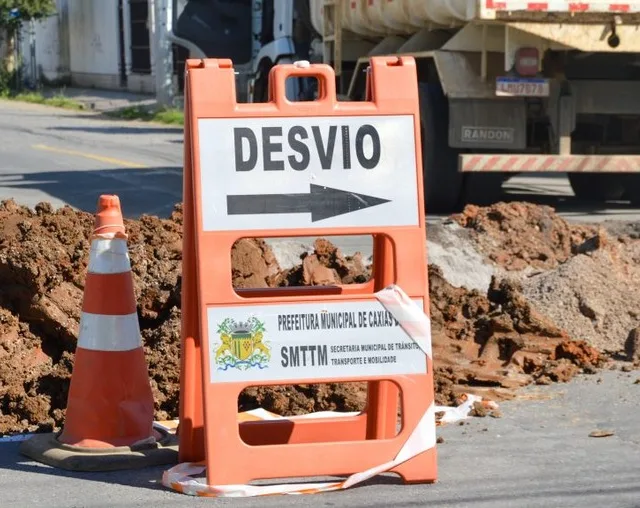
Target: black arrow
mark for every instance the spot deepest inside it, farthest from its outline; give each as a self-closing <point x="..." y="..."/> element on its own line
<point x="321" y="202"/>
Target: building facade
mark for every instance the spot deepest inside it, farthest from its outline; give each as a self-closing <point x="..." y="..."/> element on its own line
<point x="104" y="44"/>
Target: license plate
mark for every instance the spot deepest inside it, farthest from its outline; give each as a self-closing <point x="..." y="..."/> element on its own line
<point x="522" y="87"/>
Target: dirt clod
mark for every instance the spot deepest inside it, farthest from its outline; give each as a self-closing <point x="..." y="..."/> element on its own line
<point x="478" y="410"/>
<point x="43" y="262"/>
<point x="632" y="345"/>
<point x="601" y="433"/>
<point x="254" y="265"/>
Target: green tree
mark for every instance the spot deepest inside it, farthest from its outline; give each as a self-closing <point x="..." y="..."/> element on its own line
<point x="12" y="14"/>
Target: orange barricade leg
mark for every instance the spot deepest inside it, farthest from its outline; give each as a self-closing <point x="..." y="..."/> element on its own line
<point x="109" y="418"/>
<point x="191" y="429"/>
<point x="382" y="396"/>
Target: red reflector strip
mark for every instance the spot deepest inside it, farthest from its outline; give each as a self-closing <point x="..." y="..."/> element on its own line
<point x="558" y="6"/>
<point x="520" y="163"/>
<point x="579" y="7"/>
<point x="619" y="8"/>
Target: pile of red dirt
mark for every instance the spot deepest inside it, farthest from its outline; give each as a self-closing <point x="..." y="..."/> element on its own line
<point x="490" y="343"/>
<point x="520" y="235"/>
<point x="583" y="277"/>
<point x="43" y="262"/>
<point x="495" y="343"/>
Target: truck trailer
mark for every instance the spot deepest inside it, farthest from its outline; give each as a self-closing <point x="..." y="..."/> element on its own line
<point x="506" y="86"/>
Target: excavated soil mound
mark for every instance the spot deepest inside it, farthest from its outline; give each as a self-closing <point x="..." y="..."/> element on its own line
<point x="521" y="235"/>
<point x="594" y="296"/>
<point x="43" y="262"/>
<point x="490" y="343"/>
<point x="583" y="277"/>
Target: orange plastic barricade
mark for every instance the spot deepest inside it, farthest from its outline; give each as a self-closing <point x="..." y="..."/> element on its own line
<point x="315" y="168"/>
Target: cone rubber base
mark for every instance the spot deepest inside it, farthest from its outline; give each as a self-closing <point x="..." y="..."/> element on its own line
<point x="46" y="448"/>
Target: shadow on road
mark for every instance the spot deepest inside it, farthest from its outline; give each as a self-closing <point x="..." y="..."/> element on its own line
<point x="552" y="189"/>
<point x="152" y="191"/>
<point x="619" y="483"/>
<point x="156" y="190"/>
<point x="12" y="460"/>
<point x="149" y="477"/>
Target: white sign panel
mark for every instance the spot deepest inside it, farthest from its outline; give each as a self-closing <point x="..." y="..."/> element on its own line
<point x="522" y="87"/>
<point x="288" y="173"/>
<point x="309" y="341"/>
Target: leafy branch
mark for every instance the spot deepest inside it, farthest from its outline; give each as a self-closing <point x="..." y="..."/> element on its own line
<point x="14" y="12"/>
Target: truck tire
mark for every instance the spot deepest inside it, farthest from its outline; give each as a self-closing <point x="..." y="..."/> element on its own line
<point x="632" y="189"/>
<point x="442" y="182"/>
<point x="597" y="187"/>
<point x="483" y="189"/>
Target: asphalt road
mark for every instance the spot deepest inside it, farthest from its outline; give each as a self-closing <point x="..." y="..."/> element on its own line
<point x="538" y="455"/>
<point x="68" y="157"/>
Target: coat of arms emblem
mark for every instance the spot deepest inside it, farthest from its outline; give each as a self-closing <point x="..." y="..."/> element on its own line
<point x="243" y="345"/>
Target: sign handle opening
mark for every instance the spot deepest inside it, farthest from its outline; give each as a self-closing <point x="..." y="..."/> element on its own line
<point x="322" y="72"/>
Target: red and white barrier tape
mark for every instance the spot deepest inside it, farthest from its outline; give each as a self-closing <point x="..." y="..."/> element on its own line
<point x="418" y="327"/>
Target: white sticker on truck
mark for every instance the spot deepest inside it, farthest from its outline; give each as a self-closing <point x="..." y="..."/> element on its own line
<point x="522" y="87"/>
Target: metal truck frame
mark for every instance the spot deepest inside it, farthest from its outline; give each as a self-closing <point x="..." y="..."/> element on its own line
<point x="521" y="87"/>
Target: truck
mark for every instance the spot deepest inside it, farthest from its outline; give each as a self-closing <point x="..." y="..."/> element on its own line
<point x="505" y="86"/>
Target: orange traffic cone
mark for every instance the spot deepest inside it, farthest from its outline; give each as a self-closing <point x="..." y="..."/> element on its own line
<point x="110" y="401"/>
<point x="110" y="404"/>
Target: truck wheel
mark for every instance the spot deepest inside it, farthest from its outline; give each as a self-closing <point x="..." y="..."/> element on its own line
<point x="441" y="179"/>
<point x="632" y="189"/>
<point x="483" y="189"/>
<point x="597" y="186"/>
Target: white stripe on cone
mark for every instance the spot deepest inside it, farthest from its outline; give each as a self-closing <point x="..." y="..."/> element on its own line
<point x="109" y="256"/>
<point x="109" y="333"/>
